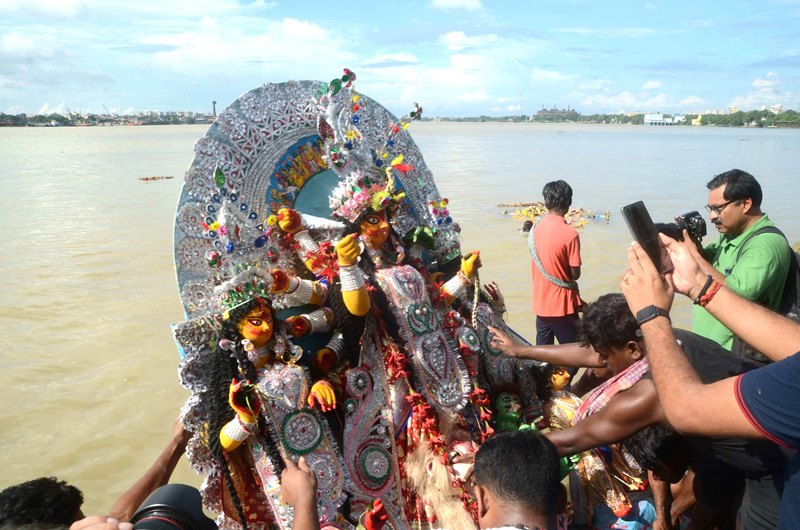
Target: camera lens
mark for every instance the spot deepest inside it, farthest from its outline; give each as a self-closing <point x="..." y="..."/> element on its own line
<point x="158" y="521"/>
<point x="172" y="507"/>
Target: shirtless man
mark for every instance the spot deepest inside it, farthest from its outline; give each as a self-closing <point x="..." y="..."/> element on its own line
<point x="612" y="339"/>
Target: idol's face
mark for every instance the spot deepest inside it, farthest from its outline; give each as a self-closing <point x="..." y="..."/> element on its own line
<point x="375" y="229"/>
<point x="508" y="405"/>
<point x="256" y="326"/>
<point x="560" y="378"/>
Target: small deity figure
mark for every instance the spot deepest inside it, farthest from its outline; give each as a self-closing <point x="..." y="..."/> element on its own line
<point x="508" y="412"/>
<point x="275" y="418"/>
<point x="561" y="407"/>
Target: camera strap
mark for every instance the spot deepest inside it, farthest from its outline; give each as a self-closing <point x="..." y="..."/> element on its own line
<point x="790" y="287"/>
<point x="557" y="281"/>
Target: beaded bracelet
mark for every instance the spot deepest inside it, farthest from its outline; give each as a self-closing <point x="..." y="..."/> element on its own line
<point x="457" y="285"/>
<point x="238" y="430"/>
<point x="301" y="294"/>
<point x="320" y="319"/>
<point x="306" y="242"/>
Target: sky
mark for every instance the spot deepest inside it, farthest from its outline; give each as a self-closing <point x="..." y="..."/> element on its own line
<point x="454" y="57"/>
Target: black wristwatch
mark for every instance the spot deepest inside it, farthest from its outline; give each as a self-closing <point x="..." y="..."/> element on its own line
<point x="649" y="313"/>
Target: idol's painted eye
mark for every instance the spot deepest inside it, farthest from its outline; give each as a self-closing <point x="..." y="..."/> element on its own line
<point x="373" y="219"/>
<point x="255" y="321"/>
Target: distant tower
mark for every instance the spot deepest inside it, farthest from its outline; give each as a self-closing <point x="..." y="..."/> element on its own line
<point x="214" y="108"/>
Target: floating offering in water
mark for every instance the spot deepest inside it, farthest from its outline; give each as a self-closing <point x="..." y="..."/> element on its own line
<point x="148" y="179"/>
<point x="533" y="211"/>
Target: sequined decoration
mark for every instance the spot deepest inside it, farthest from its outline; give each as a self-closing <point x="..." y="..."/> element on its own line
<point x="301" y="432"/>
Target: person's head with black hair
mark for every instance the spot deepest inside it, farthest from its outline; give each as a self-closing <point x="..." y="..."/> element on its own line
<point x="610" y="328"/>
<point x="734" y="201"/>
<point x="661" y="450"/>
<point x="557" y="196"/>
<point x="517" y="481"/>
<point x="739" y="185"/>
<point x="44" y="502"/>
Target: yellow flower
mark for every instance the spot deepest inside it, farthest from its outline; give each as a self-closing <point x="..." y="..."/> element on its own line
<point x="272" y="220"/>
<point x="214" y="226"/>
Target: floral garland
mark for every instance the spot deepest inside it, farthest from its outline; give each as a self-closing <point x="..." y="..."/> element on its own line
<point x="423" y="425"/>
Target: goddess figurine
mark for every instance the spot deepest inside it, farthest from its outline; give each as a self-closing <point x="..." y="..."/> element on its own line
<point x="412" y="386"/>
<point x="273" y="402"/>
<point x="561" y="407"/>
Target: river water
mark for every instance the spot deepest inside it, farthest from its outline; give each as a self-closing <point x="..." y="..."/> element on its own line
<point x="88" y="372"/>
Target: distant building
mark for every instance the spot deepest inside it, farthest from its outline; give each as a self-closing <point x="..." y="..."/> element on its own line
<point x="698" y="120"/>
<point x="657" y="118"/>
<point x="556" y="114"/>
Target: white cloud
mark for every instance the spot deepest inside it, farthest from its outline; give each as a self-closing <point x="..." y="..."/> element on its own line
<point x="391" y="59"/>
<point x="651" y="85"/>
<point x="615" y="33"/>
<point x="458" y="40"/>
<point x="277" y="44"/>
<point x="623" y="100"/>
<point x="693" y="102"/>
<point x="595" y="85"/>
<point x="468" y="5"/>
<point x="50" y="9"/>
<point x="766" y="92"/>
<point x="477" y="95"/>
<point x="45" y="109"/>
<point x="16" y="46"/>
<point x="539" y="74"/>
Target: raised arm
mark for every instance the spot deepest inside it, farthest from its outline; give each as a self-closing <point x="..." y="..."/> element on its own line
<point x="572" y="354"/>
<point x="627" y="413"/>
<point x="775" y="336"/>
<point x="354" y="291"/>
<point x="157" y="475"/>
<point x="678" y="385"/>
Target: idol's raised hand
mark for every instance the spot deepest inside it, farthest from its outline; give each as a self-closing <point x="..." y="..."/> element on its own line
<point x="289" y="220"/>
<point x="347" y="250"/>
<point x="470" y="264"/>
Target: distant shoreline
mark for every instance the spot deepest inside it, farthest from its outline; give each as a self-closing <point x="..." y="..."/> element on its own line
<point x="781" y="125"/>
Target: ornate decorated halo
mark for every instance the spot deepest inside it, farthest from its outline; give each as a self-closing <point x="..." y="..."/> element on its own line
<point x="265" y="152"/>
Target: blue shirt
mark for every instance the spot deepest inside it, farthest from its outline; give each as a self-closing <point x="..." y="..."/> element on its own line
<point x="770" y="399"/>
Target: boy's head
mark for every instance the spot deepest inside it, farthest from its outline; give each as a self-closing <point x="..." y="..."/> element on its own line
<point x="557" y="196"/>
<point x="517" y="473"/>
<point x="42" y="501"/>
<point x="661" y="450"/>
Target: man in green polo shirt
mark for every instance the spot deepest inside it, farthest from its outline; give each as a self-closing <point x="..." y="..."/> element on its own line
<point x="760" y="271"/>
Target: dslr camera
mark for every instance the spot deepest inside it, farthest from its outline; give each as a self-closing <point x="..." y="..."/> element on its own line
<point x="692" y="222"/>
<point x="172" y="507"/>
